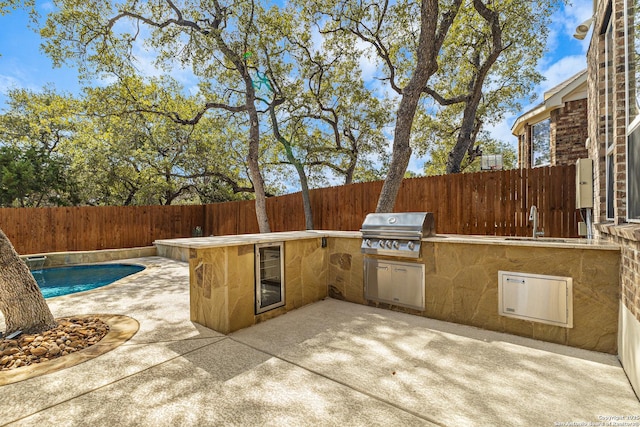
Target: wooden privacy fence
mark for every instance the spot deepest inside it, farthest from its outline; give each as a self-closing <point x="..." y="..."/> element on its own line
<point x="487" y="203"/>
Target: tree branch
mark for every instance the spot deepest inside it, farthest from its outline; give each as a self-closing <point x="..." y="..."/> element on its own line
<point x="442" y="100"/>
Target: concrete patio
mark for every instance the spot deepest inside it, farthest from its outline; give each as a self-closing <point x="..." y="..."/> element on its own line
<point x="329" y="363"/>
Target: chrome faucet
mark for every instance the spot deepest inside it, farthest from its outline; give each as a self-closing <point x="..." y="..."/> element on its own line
<point x="533" y="216"/>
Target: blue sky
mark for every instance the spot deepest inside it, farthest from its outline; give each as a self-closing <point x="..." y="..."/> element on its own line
<point x="22" y="65"/>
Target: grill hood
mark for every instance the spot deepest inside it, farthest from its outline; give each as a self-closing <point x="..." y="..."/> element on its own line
<point x="406" y="225"/>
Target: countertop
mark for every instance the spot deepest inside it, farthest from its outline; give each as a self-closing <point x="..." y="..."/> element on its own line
<point x="250" y="239"/>
<point x="526" y="241"/>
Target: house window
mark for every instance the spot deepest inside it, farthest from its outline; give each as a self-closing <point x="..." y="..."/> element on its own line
<point x="541" y="144"/>
<point x="609" y="109"/>
<point x="633" y="112"/>
<point x="633" y="62"/>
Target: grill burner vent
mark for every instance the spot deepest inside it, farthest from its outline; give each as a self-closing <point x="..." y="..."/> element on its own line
<point x="396" y="234"/>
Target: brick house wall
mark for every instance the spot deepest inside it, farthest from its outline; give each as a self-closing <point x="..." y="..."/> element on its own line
<point x="569" y="133"/>
<point x="627" y="237"/>
<point x="612" y="120"/>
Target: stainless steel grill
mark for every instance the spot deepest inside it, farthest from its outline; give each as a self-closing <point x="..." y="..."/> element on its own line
<point x="396" y="234"/>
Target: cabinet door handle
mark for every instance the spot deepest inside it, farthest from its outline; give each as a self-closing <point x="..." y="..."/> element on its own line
<point x="401" y="269"/>
<point x="382" y="268"/>
<point x="509" y="279"/>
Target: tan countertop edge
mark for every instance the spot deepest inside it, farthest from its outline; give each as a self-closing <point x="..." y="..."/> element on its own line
<point x="121" y="329"/>
<point x="250" y="239"/>
<point x="572" y="243"/>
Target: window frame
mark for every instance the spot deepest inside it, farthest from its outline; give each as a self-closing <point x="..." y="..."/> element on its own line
<point x="632" y="124"/>
<point x="533" y="145"/>
<point x="609" y="139"/>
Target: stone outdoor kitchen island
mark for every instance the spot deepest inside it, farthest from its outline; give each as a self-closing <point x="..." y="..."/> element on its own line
<point x="461" y="280"/>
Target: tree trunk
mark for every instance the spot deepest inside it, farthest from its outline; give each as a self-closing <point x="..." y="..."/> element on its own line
<point x="429" y="43"/>
<point x="304" y="183"/>
<point x="306" y="200"/>
<point x="353" y="160"/>
<point x="252" y="159"/>
<point x="401" y="151"/>
<point x="465" y="138"/>
<point x="468" y="129"/>
<point x="21" y="301"/>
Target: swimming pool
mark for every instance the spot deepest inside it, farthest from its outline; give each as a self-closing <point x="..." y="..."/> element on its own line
<point x="58" y="281"/>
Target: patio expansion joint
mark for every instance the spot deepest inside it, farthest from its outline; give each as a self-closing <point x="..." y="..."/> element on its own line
<point x="119" y="379"/>
<point x="342" y="383"/>
<point x="134" y="343"/>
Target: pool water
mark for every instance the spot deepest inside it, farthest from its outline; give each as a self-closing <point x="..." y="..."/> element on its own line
<point x="58" y="281"/>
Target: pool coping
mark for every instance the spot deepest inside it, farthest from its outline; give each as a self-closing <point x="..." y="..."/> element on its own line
<point x="90" y="265"/>
<point x="121" y="329"/>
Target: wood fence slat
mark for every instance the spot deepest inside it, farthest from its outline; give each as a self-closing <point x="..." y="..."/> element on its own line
<point x="496" y="202"/>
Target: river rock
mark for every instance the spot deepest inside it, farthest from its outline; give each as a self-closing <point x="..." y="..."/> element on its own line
<point x="39" y="351"/>
<point x="57" y="342"/>
<point x="11" y="351"/>
<point x="54" y="350"/>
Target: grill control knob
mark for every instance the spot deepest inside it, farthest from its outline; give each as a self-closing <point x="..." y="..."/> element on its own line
<point x="395" y="244"/>
<point x="411" y="245"/>
<point x="367" y="242"/>
<point x="388" y="243"/>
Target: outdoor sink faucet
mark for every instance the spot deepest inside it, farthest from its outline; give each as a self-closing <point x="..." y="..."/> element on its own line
<point x="533" y="216"/>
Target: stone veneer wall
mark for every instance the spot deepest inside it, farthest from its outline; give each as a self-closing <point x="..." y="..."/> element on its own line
<point x="58" y="259"/>
<point x="174" y="252"/>
<point x="222" y="283"/>
<point x="462" y="286"/>
<point x="346" y="270"/>
<point x="569" y="133"/>
<point x="221" y="287"/>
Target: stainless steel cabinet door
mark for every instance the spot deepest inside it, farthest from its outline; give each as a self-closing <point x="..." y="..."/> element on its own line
<point x="394" y="282"/>
<point x="535" y="297"/>
<point x="377" y="280"/>
<point x="408" y="285"/>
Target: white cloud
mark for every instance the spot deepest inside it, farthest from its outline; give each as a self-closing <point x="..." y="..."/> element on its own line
<point x="555" y="74"/>
<point x="416" y="164"/>
<point x="47" y="6"/>
<point x="146" y="63"/>
<point x="502" y="131"/>
<point x="193" y="90"/>
<point x="577" y="13"/>
<point x="11" y="82"/>
<point x="8" y="82"/>
<point x="367" y="61"/>
<point x="560" y="71"/>
<point x="564" y="23"/>
<point x="104" y="80"/>
<point x="317" y="38"/>
<point x="562" y="61"/>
